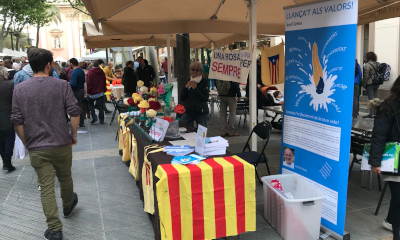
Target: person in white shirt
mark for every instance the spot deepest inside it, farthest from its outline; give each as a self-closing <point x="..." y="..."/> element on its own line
<point x="288" y="158"/>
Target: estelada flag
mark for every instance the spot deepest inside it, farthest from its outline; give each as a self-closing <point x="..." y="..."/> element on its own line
<point x="213" y="199"/>
<point x="273" y="65"/>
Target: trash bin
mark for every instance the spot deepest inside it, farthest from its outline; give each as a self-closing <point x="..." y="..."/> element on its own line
<point x="293" y="219"/>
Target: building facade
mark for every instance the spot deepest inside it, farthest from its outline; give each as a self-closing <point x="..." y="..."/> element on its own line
<point x="65" y="38"/>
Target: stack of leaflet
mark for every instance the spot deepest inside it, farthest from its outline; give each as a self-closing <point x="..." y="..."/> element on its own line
<point x="180" y="150"/>
<point x="190" y="159"/>
<point x="215" y="146"/>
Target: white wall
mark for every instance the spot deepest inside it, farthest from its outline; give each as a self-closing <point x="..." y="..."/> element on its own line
<point x="386" y="46"/>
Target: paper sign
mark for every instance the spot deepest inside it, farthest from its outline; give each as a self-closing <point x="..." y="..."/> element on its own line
<point x="158" y="130"/>
<point x="201" y="140"/>
<point x="230" y="65"/>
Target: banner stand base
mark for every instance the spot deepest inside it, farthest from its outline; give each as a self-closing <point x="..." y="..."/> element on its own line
<point x="330" y="233"/>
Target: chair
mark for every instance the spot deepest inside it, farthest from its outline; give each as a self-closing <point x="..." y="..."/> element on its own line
<point x="381" y="198"/>
<point x="242" y="109"/>
<point x="357" y="148"/>
<point x="118" y="106"/>
<point x="262" y="130"/>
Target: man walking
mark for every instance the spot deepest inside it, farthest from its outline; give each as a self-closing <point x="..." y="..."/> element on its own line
<point x="78" y="86"/>
<point x="108" y="71"/>
<point x="145" y="72"/>
<point x="165" y="67"/>
<point x="228" y="91"/>
<point x="42" y="127"/>
<point x="96" y="85"/>
<point x="26" y="71"/>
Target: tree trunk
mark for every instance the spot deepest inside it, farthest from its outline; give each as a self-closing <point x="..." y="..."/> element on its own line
<point x="151" y="57"/>
<point x="17" y="43"/>
<point x="37" y="35"/>
<point x="182" y="72"/>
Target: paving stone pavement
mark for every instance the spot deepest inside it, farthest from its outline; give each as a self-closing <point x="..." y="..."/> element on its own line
<point x="109" y="204"/>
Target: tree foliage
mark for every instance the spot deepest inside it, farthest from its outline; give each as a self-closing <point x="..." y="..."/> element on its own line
<point x="15" y="14"/>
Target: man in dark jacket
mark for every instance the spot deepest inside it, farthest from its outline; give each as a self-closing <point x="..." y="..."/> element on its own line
<point x="129" y="79"/>
<point x="96" y="86"/>
<point x="145" y="72"/>
<point x="228" y="91"/>
<point x="7" y="133"/>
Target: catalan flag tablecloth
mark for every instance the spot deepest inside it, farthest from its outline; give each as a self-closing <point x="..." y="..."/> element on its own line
<point x="213" y="199"/>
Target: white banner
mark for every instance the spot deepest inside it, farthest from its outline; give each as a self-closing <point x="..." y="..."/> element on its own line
<point x="230" y="65"/>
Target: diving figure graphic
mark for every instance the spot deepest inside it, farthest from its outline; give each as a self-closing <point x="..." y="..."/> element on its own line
<point x="317" y="72"/>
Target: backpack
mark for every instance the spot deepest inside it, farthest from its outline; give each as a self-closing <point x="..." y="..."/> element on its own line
<point x="223" y="87"/>
<point x="381" y="74"/>
<point x="386" y="76"/>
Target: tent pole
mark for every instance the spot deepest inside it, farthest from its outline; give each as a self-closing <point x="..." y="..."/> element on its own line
<point x="106" y="56"/>
<point x="169" y="58"/>
<point x="253" y="72"/>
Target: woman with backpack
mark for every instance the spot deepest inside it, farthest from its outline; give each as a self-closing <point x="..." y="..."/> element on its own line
<point x="370" y="69"/>
<point x="196" y="94"/>
<point x="357" y="78"/>
<point x="387" y="129"/>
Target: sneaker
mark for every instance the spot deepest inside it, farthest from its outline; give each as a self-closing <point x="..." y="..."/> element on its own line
<point x="39" y="188"/>
<point x="93" y="121"/>
<point x="368" y="116"/>
<point x="5" y="168"/>
<point x="55" y="236"/>
<point x="233" y="134"/>
<point x="224" y="134"/>
<point x="68" y="211"/>
<point x="81" y="125"/>
<point x="387" y="225"/>
<point x="107" y="112"/>
<point x="102" y="122"/>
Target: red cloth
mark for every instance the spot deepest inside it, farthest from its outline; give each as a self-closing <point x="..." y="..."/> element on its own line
<point x="95" y="81"/>
<point x="165" y="66"/>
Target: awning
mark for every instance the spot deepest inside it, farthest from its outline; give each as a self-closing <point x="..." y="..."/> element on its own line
<point x="209" y="16"/>
<point x="94" y="39"/>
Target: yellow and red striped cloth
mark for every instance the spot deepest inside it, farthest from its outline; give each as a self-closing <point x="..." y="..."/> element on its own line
<point x="213" y="199"/>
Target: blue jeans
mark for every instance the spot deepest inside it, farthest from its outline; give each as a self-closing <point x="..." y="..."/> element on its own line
<point x="212" y="83"/>
<point x="200" y="120"/>
<point x="372" y="93"/>
<point x="99" y="103"/>
<point x="166" y="78"/>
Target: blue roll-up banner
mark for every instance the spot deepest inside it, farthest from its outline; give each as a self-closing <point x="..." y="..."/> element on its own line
<point x="319" y="82"/>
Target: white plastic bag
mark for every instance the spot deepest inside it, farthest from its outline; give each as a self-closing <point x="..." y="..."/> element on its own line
<point x="19" y="149"/>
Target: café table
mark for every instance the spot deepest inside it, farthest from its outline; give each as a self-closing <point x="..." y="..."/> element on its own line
<point x="117" y="90"/>
<point x="363" y="127"/>
<point x="168" y="173"/>
<point x="278" y="110"/>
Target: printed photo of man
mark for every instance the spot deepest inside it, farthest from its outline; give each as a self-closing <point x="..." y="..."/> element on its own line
<point x="288" y="158"/>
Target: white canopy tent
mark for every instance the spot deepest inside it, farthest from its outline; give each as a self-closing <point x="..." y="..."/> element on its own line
<point x="60" y="59"/>
<point x="13" y="53"/>
<point x="95" y="56"/>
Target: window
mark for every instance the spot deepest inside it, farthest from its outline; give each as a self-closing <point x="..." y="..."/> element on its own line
<point x="57" y="42"/>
